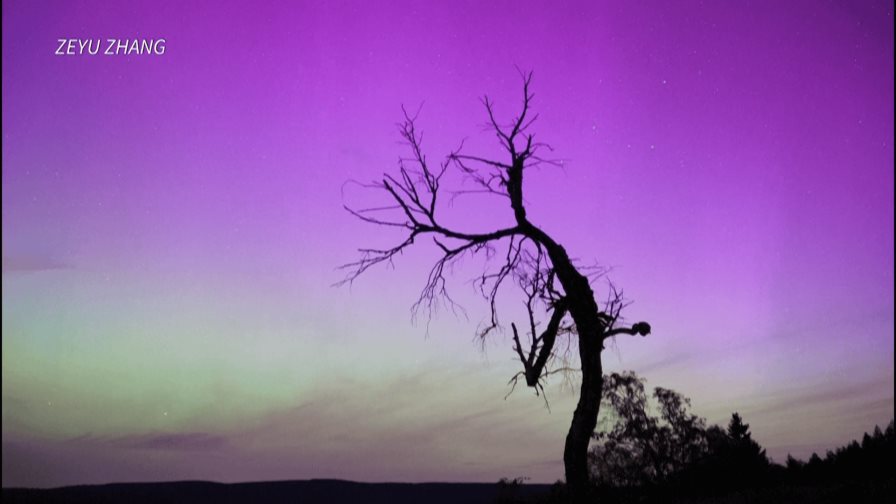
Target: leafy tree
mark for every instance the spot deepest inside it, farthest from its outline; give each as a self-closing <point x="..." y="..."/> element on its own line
<point x="557" y="292"/>
<point x="673" y="447"/>
<point x="640" y="448"/>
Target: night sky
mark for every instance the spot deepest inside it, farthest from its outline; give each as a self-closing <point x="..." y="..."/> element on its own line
<point x="172" y="225"/>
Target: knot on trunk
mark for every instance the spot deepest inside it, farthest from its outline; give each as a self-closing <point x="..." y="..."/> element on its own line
<point x="641" y="328"/>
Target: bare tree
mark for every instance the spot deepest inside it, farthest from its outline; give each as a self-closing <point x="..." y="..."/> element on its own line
<point x="554" y="287"/>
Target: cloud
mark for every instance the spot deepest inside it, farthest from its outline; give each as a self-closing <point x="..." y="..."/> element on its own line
<point x="187" y="441"/>
<point x="433" y="425"/>
<point x="822" y="395"/>
<point x="31" y="264"/>
<point x="663" y="363"/>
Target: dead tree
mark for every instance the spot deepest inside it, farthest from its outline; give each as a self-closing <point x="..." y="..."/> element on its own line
<point x="554" y="286"/>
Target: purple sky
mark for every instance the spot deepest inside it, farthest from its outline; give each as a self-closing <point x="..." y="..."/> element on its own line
<point x="172" y="224"/>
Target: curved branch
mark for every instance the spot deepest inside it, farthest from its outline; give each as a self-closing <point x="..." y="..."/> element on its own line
<point x="639" y="329"/>
<point x="547" y="339"/>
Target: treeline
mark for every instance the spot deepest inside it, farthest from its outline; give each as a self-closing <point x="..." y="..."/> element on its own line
<point x="645" y="456"/>
<point x="871" y="459"/>
<point x="655" y="450"/>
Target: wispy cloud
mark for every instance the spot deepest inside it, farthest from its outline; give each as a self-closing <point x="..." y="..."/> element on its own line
<point x="663" y="363"/>
<point x="408" y="428"/>
<point x="31" y="264"/>
<point x="186" y="441"/>
<point x="803" y="398"/>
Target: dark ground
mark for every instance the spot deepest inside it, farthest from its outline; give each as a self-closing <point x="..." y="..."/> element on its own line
<point x="343" y="492"/>
<point x="305" y="492"/>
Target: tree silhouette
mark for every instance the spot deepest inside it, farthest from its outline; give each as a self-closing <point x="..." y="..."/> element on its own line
<point x="649" y="452"/>
<point x="745" y="448"/>
<point x="738" y="430"/>
<point x="554" y="287"/>
<point x="639" y="448"/>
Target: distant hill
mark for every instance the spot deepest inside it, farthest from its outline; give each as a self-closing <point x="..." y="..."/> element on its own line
<point x="304" y="492"/>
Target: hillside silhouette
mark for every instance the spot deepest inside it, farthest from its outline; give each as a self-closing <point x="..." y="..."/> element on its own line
<point x="274" y="492"/>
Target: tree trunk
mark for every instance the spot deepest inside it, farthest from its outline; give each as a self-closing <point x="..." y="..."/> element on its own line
<point x="584" y="311"/>
<point x="584" y="419"/>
